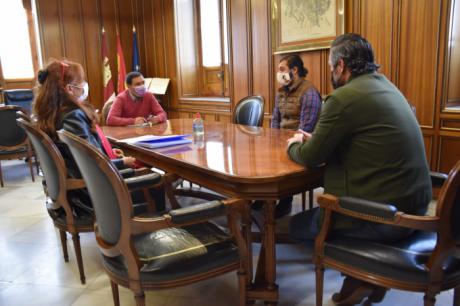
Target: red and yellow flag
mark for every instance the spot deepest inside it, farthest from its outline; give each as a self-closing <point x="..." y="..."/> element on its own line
<point x="121" y="66"/>
<point x="109" y="89"/>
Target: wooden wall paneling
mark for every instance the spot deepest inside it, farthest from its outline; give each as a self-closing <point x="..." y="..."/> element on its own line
<point x="239" y="50"/>
<point x="125" y="28"/>
<point x="91" y="24"/>
<point x="396" y="39"/>
<point x="33" y="38"/>
<point x="50" y="29"/>
<point x="352" y="22"/>
<point x="173" y="114"/>
<point x="418" y="54"/>
<point x="429" y="141"/>
<point x="453" y="64"/>
<point x="146" y="36"/>
<point x="450" y="124"/>
<point x="376" y="26"/>
<point x="262" y="76"/>
<point x="440" y="81"/>
<point x="312" y="61"/>
<point x="72" y="30"/>
<point x="326" y="85"/>
<point x="224" y="118"/>
<point x="18" y="84"/>
<point x="449" y="152"/>
<point x="165" y="32"/>
<point x="186" y="47"/>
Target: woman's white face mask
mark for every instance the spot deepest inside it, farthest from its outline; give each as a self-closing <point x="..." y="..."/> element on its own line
<point x="84" y="95"/>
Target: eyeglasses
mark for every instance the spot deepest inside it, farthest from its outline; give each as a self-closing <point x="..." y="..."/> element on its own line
<point x="78" y="86"/>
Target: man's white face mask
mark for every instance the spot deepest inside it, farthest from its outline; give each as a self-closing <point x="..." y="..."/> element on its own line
<point x="283" y="78"/>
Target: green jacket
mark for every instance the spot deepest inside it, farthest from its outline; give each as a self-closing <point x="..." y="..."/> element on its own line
<point x="372" y="145"/>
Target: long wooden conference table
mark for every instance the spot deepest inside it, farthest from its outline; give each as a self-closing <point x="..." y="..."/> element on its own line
<point x="237" y="161"/>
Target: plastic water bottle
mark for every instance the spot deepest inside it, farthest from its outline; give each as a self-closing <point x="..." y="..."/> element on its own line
<point x="198" y="125"/>
<point x="198" y="131"/>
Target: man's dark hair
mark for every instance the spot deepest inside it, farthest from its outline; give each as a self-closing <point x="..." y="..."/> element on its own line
<point x="356" y="52"/>
<point x="294" y="60"/>
<point x="130" y="76"/>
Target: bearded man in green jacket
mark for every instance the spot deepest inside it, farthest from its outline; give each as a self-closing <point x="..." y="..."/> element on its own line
<point x="369" y="142"/>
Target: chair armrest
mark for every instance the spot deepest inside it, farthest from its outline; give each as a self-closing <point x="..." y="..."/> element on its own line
<point x="425" y="223"/>
<point x="141" y="225"/>
<point x="197" y="212"/>
<point x="142" y="181"/>
<point x="437" y="179"/>
<point x="75" y="184"/>
<point x="127" y="172"/>
<point x="380" y="210"/>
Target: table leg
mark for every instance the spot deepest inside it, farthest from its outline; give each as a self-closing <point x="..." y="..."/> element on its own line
<point x="270" y="250"/>
<point x="264" y="287"/>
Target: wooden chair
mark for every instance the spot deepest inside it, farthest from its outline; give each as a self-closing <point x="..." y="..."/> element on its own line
<point x="13" y="140"/>
<point x="176" y="249"/>
<point x="19" y="97"/>
<point x="57" y="186"/>
<point x="106" y="110"/>
<point x="249" y="111"/>
<point x="427" y="261"/>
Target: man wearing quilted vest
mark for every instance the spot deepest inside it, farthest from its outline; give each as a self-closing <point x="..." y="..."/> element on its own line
<point x="297" y="107"/>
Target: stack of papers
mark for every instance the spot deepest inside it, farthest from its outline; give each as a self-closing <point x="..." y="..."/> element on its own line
<point x="157" y="86"/>
<point x="153" y="142"/>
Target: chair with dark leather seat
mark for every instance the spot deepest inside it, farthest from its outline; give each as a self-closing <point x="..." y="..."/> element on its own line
<point x="19" y="97"/>
<point x="58" y="187"/>
<point x="13" y="140"/>
<point x="176" y="249"/>
<point x="249" y="111"/>
<point x="426" y="261"/>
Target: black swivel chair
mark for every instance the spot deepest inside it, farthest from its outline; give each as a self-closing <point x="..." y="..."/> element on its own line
<point x="249" y="111"/>
<point x="176" y="249"/>
<point x="427" y="261"/>
<point x="19" y="97"/>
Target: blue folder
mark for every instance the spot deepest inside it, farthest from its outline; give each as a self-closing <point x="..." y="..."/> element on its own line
<point x="164" y="141"/>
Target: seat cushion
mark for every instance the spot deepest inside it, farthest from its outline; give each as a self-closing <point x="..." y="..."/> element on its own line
<point x="403" y="259"/>
<point x="81" y="220"/>
<point x="175" y="253"/>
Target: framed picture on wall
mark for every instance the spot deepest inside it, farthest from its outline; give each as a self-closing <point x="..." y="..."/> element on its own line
<point x="301" y="25"/>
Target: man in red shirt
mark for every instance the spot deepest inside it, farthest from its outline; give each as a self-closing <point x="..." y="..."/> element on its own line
<point x="135" y="105"/>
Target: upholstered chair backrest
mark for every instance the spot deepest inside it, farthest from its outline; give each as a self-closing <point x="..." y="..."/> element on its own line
<point x="11" y="134"/>
<point x="106" y="109"/>
<point x="454" y="188"/>
<point x="109" y="194"/>
<point x="249" y="111"/>
<point x="19" y="97"/>
<point x="449" y="203"/>
<point x="51" y="160"/>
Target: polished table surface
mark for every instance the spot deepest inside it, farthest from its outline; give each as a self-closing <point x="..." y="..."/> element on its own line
<point x="237" y="161"/>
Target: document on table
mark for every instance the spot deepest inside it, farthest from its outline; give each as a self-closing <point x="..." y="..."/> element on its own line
<point x="153" y="141"/>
